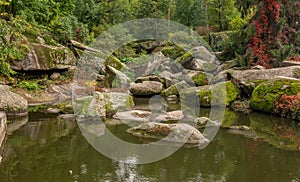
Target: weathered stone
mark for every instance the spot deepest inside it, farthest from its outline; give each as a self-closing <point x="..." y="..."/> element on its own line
<point x="221" y="94"/>
<point x="12" y="103"/>
<point x="169" y="116"/>
<point x="266" y="74"/>
<point x="45" y="57"/>
<point x="179" y="133"/>
<point x="199" y="59"/>
<point x="53" y="110"/>
<point x="133" y="115"/>
<point x="116" y="102"/>
<point x="174" y="89"/>
<point x="146" y="88"/>
<point x="203" y="122"/>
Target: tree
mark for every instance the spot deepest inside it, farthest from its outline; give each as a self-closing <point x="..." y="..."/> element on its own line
<point x="274" y="32"/>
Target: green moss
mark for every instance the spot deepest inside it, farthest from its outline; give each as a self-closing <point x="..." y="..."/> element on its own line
<point x="173" y="52"/>
<point x="265" y="95"/>
<point x="184" y="57"/>
<point x="200" y="79"/>
<point x="223" y="94"/>
<point x="114" y="62"/>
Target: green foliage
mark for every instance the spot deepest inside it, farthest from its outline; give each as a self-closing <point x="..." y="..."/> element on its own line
<point x="31" y="85"/>
<point x="69" y="28"/>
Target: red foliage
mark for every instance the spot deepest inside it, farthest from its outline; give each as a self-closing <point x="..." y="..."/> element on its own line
<point x="288" y="106"/>
<point x="263" y="37"/>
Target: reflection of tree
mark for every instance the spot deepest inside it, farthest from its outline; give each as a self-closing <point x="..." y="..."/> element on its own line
<point x="276" y="131"/>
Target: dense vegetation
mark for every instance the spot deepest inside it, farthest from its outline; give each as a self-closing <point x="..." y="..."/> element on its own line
<point x="265" y="32"/>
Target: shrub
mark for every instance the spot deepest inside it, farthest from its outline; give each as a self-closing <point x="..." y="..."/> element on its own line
<point x="288" y="106"/>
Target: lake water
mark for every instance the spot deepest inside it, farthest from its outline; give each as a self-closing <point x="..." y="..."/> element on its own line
<point x="48" y="149"/>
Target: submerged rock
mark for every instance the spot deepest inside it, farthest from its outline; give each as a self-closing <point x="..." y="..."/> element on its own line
<point x="12" y="103"/>
<point x="181" y="133"/>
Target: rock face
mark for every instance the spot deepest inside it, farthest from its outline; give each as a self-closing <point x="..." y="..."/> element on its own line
<point x="264" y="96"/>
<point x="267" y="74"/>
<point x="45" y="57"/>
<point x="2" y="130"/>
<point x="146" y="88"/>
<point x="12" y="103"/>
<point x="179" y="133"/>
<point x="203" y="122"/>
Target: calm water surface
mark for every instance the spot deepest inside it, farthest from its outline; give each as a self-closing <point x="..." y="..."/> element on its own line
<point x="46" y="149"/>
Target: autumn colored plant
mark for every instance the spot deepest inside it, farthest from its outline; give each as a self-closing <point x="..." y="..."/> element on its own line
<point x="288" y="106"/>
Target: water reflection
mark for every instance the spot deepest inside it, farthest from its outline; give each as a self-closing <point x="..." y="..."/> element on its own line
<point x="228" y="158"/>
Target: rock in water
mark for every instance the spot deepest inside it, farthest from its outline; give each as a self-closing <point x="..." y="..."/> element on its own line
<point x="179" y="133"/>
<point x="12" y="103"/>
<point x="2" y="129"/>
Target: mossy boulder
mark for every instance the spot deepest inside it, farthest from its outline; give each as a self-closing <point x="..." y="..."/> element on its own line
<point x="45" y="57"/>
<point x="264" y="96"/>
<point x="200" y="79"/>
<point x="115" y="62"/>
<point x="221" y="94"/>
<point x="172" y="52"/>
<point x="174" y="89"/>
<point x="117" y="102"/>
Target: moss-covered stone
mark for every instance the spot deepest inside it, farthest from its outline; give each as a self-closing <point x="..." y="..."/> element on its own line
<point x="264" y="96"/>
<point x="174" y="89"/>
<point x="172" y="52"/>
<point x="114" y="62"/>
<point x="200" y="79"/>
<point x="221" y="94"/>
<point x="117" y="102"/>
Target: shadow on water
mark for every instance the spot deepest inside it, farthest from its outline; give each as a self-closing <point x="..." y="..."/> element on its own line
<point x="48" y="149"/>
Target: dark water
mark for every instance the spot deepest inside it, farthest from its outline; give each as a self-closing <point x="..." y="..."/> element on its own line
<point x="46" y="149"/>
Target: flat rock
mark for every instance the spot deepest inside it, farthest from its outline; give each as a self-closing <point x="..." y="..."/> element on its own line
<point x="146" y="88"/>
<point x="179" y="133"/>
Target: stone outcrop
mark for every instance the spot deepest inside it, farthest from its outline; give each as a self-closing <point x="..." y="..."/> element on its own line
<point x="45" y="57"/>
<point x="266" y="74"/>
<point x="12" y="103"/>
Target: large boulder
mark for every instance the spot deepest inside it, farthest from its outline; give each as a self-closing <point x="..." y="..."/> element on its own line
<point x="2" y="130"/>
<point x="221" y="94"/>
<point x="199" y="59"/>
<point x="179" y="133"/>
<point x="117" y="102"/>
<point x="265" y="74"/>
<point x="102" y="104"/>
<point x="146" y="88"/>
<point x="45" y="57"/>
<point x="174" y="89"/>
<point x="267" y="97"/>
<point x="12" y="103"/>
